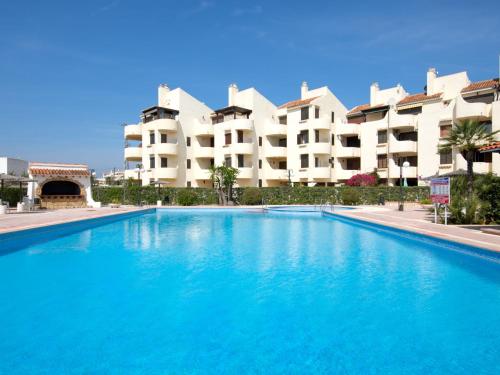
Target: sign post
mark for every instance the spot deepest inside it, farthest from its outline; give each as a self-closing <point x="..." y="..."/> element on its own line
<point x="440" y="194"/>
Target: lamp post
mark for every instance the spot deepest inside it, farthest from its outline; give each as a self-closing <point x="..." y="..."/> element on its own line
<point x="139" y="169"/>
<point x="404" y="165"/>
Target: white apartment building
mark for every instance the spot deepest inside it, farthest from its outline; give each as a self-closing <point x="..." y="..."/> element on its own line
<point x="312" y="140"/>
<point x="179" y="139"/>
<point x="396" y="127"/>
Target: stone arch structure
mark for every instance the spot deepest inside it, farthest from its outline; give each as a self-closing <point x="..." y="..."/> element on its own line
<point x="58" y="185"/>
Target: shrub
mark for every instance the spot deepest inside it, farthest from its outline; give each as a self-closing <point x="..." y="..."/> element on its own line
<point x="350" y="197"/>
<point x="187" y="197"/>
<point x="362" y="179"/>
<point x="251" y="196"/>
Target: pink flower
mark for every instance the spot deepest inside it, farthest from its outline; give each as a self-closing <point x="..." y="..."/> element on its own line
<point x="362" y="179"/>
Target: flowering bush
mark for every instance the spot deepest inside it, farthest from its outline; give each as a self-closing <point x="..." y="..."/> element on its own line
<point x="362" y="180"/>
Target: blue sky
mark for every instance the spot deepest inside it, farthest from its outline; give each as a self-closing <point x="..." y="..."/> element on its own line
<point x="72" y="72"/>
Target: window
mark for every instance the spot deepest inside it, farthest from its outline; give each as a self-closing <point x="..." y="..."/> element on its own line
<point x="227" y="161"/>
<point x="316" y="136"/>
<point x="188" y="141"/>
<point x="353" y="142"/>
<point x="353" y="164"/>
<point x="188" y="162"/>
<point x="151" y="161"/>
<point x="189" y="184"/>
<point x="333" y="139"/>
<point x="304" y="161"/>
<point x="260" y="164"/>
<point x="316" y="112"/>
<point x="241" y="160"/>
<point x="444" y="131"/>
<point x="212" y="162"/>
<point x="304" y="113"/>
<point x="282" y="142"/>
<point x="227" y="138"/>
<point x="316" y="162"/>
<point x="407" y="136"/>
<point x="163" y="138"/>
<point x="212" y="143"/>
<point x="333" y="117"/>
<point x="164" y="162"/>
<point x="151" y="137"/>
<point x="382" y="138"/>
<point x="240" y="136"/>
<point x="483" y="157"/>
<point x="381" y="161"/>
<point x="445" y="158"/>
<point x="260" y="183"/>
<point x="282" y="164"/>
<point x="303" y="137"/>
<point x="282" y="120"/>
<point x="260" y="141"/>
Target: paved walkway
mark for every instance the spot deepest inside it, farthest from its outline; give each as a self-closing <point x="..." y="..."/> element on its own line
<point x="416" y="219"/>
<point x="26" y="220"/>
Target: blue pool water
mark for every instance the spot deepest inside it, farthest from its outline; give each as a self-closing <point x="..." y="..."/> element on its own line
<point x="233" y="292"/>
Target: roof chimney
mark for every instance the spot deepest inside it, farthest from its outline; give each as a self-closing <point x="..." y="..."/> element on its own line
<point x="163" y="91"/>
<point x="303" y="90"/>
<point x="431" y="77"/>
<point x="373" y="93"/>
<point x="232" y="91"/>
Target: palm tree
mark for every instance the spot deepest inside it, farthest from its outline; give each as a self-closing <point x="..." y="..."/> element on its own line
<point x="467" y="137"/>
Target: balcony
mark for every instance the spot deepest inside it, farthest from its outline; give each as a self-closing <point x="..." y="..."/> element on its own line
<point x="163" y="124"/>
<point x="397" y="121"/>
<point x="346" y="129"/>
<point x="202" y="174"/>
<point x="133" y="132"/>
<point x="322" y="123"/>
<point x="320" y="148"/>
<point x="133" y="153"/>
<point x="203" y="129"/>
<point x="382" y="172"/>
<point x="402" y="147"/>
<point x="242" y="148"/>
<point x="130" y="173"/>
<point x="345" y="174"/>
<point x="275" y="129"/>
<point x="276" y="152"/>
<point x="203" y="152"/>
<point x="410" y="172"/>
<point x="245" y="172"/>
<point x="348" y="152"/>
<point x="276" y="174"/>
<point x="465" y="110"/>
<point x="165" y="148"/>
<point x="321" y="172"/>
<point x="239" y="124"/>
<point x="165" y="173"/>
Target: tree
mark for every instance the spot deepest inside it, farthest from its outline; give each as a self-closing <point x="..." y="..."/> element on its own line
<point x="223" y="178"/>
<point x="467" y="137"/>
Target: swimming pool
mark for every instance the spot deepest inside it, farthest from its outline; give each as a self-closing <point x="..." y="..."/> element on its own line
<point x="241" y="291"/>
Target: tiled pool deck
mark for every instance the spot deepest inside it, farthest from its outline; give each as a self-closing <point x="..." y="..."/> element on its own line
<point x="413" y="219"/>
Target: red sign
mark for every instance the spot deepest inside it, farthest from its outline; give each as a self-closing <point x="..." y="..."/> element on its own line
<point x="440" y="190"/>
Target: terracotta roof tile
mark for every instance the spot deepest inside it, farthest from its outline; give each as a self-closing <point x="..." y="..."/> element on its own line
<point x="420" y="97"/>
<point x="364" y="107"/>
<point x="482" y="85"/>
<point x="493" y="146"/>
<point x="59" y="172"/>
<point x="297" y="103"/>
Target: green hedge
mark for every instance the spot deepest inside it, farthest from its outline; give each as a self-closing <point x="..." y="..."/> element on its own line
<point x="272" y="195"/>
<point x="11" y="195"/>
